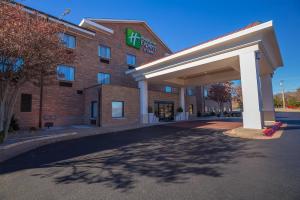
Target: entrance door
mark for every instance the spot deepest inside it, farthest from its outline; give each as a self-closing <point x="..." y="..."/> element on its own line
<point x="164" y="110"/>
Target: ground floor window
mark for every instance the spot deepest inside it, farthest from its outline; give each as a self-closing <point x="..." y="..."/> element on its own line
<point x="117" y="108"/>
<point x="191" y="109"/>
<point x="94" y="109"/>
<point x="190" y="92"/>
<point x="26" y="102"/>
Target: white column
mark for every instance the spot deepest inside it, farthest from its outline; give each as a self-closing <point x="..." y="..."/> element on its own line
<point x="252" y="116"/>
<point x="182" y="103"/>
<point x="182" y="99"/>
<point x="143" y="86"/>
<point x="267" y="96"/>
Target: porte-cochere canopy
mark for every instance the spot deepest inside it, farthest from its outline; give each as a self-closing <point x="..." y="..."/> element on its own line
<point x="251" y="54"/>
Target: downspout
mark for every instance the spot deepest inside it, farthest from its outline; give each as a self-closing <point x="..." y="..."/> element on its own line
<point x="203" y="97"/>
<point x="41" y="99"/>
<point x="99" y="106"/>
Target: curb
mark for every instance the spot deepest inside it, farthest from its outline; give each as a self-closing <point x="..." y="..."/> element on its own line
<point x="18" y="148"/>
<point x="12" y="150"/>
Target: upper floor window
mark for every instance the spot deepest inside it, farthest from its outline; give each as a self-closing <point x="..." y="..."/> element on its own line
<point x="131" y="60"/>
<point x="68" y="40"/>
<point x="65" y="73"/>
<point x="103" y="78"/>
<point x="190" y="92"/>
<point x="104" y="52"/>
<point x="168" y="89"/>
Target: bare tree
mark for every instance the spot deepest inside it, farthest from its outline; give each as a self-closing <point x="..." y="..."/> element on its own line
<point x="30" y="50"/>
<point x="220" y="93"/>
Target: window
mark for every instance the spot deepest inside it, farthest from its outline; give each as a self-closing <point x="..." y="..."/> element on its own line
<point x="190" y="92"/>
<point x="68" y="40"/>
<point x="65" y="73"/>
<point x="11" y="65"/>
<point x="26" y="102"/>
<point x="131" y="60"/>
<point x="191" y="109"/>
<point x="103" y="78"/>
<point x="168" y="89"/>
<point x="205" y="92"/>
<point x="104" y="52"/>
<point x="94" y="109"/>
<point x="117" y="108"/>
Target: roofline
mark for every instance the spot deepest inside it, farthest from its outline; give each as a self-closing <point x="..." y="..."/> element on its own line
<point x="117" y="20"/>
<point x="55" y="19"/>
<point x="136" y="22"/>
<point x="98" y="26"/>
<point x="207" y="44"/>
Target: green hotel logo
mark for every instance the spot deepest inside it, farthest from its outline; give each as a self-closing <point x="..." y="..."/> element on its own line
<point x="133" y="38"/>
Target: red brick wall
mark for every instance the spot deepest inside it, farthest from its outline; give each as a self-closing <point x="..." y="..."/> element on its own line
<point x="130" y="97"/>
<point x="62" y="105"/>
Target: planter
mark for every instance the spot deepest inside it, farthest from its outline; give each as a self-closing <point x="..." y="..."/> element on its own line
<point x="152" y="118"/>
<point x="181" y="116"/>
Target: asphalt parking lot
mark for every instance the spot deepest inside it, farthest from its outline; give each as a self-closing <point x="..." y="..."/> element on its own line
<point x="181" y="161"/>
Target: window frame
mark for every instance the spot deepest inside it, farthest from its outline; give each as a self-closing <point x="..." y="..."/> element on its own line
<point x="99" y="52"/>
<point x="165" y="89"/>
<point x="131" y="55"/>
<point x="109" y="75"/>
<point x="205" y="92"/>
<point x="66" y="44"/>
<point x="123" y="109"/>
<point x="190" y="92"/>
<point x="22" y="108"/>
<point x="191" y="106"/>
<point x="64" y="80"/>
<point x="92" y="110"/>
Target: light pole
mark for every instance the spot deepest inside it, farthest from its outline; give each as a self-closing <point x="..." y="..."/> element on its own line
<point x="283" y="96"/>
<point x="65" y="13"/>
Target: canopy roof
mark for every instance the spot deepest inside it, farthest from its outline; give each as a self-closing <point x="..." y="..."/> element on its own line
<point x="217" y="57"/>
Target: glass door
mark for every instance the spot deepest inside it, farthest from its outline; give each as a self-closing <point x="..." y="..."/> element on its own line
<point x="164" y="110"/>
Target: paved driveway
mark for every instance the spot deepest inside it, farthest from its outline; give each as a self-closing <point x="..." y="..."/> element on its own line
<point x="162" y="162"/>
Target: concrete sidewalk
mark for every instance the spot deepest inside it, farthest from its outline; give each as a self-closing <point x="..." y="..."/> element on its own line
<point x="23" y="141"/>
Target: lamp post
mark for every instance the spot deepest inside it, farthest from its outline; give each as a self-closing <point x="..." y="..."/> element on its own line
<point x="283" y="96"/>
<point x="65" y="13"/>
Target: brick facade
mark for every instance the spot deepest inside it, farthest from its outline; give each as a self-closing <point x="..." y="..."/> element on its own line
<point x="71" y="105"/>
<point x="130" y="98"/>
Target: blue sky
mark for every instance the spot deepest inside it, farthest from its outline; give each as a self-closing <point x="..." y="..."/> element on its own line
<point x="184" y="23"/>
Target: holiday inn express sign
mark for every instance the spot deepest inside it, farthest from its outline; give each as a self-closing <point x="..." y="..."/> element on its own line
<point x="137" y="40"/>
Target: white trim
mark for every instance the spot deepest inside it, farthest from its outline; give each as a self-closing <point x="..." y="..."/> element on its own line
<point x="132" y="21"/>
<point x="222" y="52"/>
<point x="116" y="20"/>
<point x="196" y="63"/>
<point x="61" y="22"/>
<point x="98" y="26"/>
<point x="208" y="44"/>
